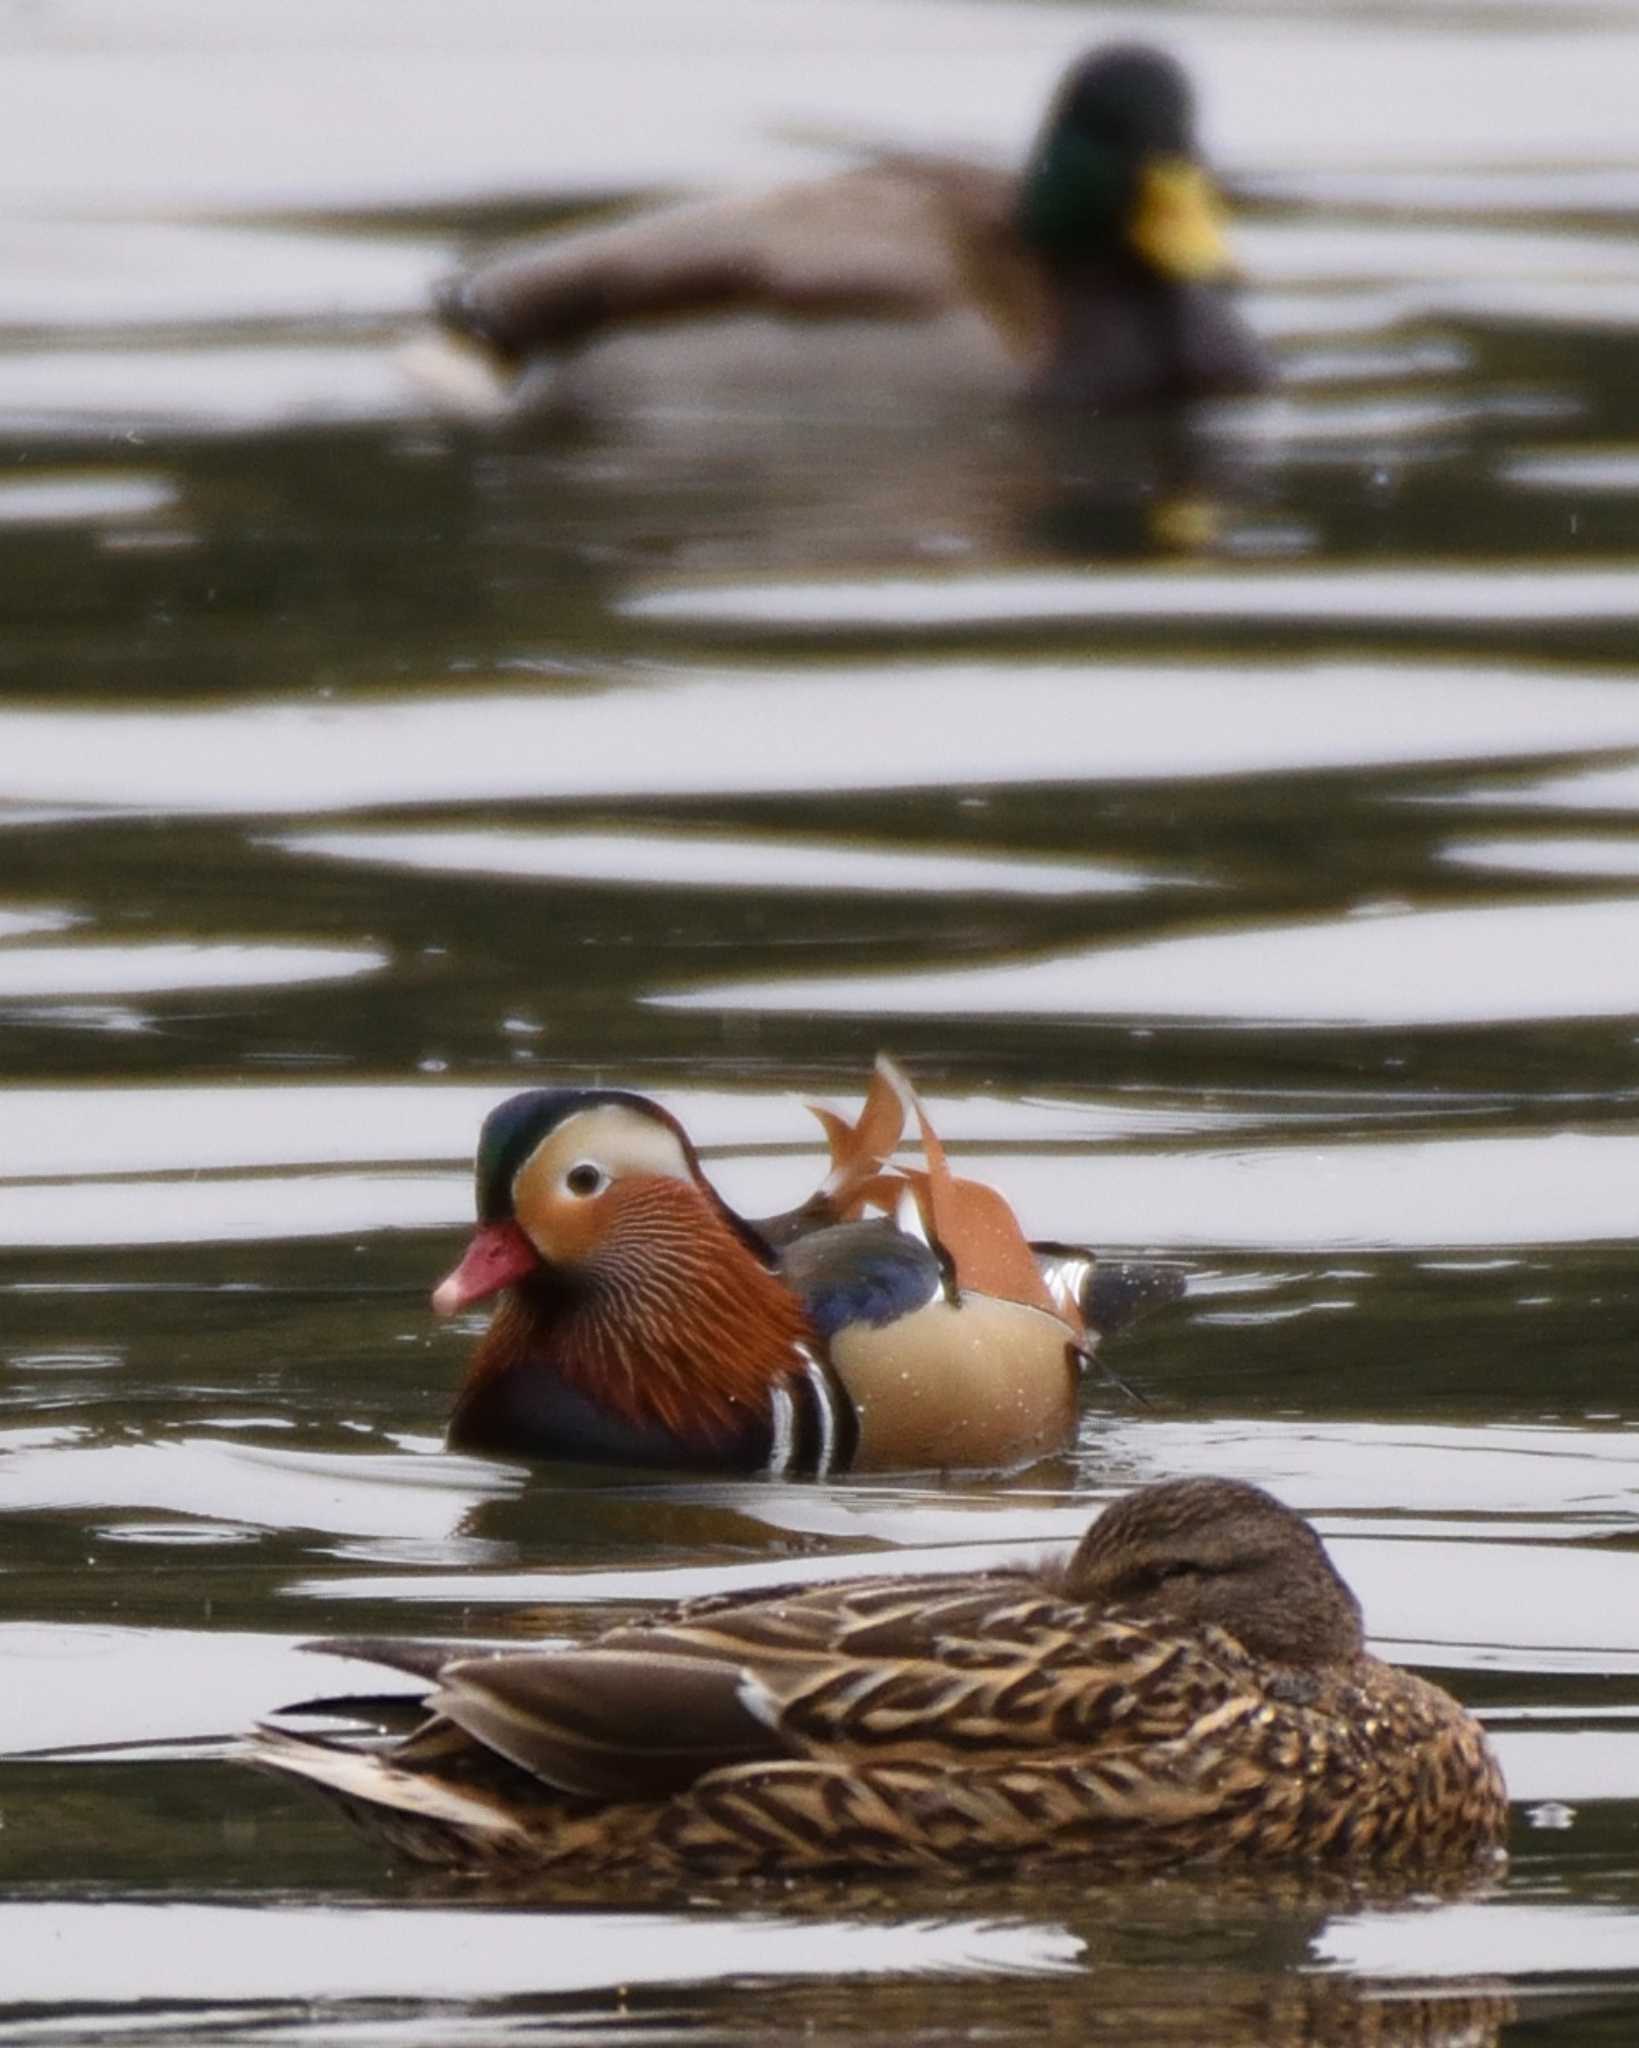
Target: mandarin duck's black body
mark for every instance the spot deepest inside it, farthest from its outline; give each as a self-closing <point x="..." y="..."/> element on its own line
<point x="1101" y="269"/>
<point x="642" y="1322"/>
<point x="1189" y="1689"/>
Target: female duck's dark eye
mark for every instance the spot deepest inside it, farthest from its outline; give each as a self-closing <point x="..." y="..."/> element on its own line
<point x="1150" y="1578"/>
<point x="584" y="1179"/>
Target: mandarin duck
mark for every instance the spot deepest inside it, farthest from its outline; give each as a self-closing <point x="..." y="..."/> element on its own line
<point x="643" y="1322"/>
<point x="1190" y="1687"/>
<point x="1100" y="272"/>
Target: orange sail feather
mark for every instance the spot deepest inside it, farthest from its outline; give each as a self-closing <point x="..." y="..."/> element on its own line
<point x="971" y="1222"/>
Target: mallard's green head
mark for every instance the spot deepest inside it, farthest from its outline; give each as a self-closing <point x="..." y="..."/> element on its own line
<point x="1115" y="173"/>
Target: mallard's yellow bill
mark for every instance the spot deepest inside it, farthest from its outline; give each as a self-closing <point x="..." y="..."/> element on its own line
<point x="1185" y="523"/>
<point x="1177" y="225"/>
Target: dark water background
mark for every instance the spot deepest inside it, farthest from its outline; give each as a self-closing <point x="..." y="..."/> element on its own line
<point x="1233" y="826"/>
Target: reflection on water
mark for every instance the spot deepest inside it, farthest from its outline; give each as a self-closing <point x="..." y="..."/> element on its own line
<point x="1229" y="821"/>
<point x="1610" y="858"/>
<point x="65" y="498"/>
<point x="850" y="727"/>
<point x="1401" y="592"/>
<point x="703" y="863"/>
<point x="1385" y="965"/>
<point x="91" y="969"/>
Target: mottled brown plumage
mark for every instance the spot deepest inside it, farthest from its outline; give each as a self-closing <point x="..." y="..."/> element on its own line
<point x="1190" y="1688"/>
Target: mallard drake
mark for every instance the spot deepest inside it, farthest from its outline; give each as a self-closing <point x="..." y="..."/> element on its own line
<point x="1189" y="1687"/>
<point x="643" y="1322"/>
<point x="1101" y="268"/>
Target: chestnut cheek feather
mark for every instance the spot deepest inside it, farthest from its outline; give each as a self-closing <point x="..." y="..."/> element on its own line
<point x="499" y="1256"/>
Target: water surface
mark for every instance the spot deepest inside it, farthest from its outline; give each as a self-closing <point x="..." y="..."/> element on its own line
<point x="1232" y="825"/>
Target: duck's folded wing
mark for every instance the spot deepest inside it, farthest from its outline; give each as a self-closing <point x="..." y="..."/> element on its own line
<point x="888" y="238"/>
<point x="609" y="1724"/>
<point x="1105" y="1687"/>
<point x="649" y="1710"/>
<point x="860" y="1273"/>
<point x="968" y="1620"/>
<point x="978" y="1665"/>
<point x="971" y="1673"/>
<point x="420" y="1656"/>
<point x="398" y="1710"/>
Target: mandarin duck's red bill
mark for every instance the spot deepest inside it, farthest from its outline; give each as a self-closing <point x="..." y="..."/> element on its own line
<point x="1190" y="1689"/>
<point x="499" y="1256"/>
<point x="896" y="1320"/>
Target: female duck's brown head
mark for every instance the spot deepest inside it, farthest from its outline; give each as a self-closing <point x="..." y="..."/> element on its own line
<point x="1225" y="1552"/>
<point x="630" y="1289"/>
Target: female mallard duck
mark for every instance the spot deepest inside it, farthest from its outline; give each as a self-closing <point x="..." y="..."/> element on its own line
<point x="644" y="1322"/>
<point x="1101" y="268"/>
<point x="1190" y="1687"/>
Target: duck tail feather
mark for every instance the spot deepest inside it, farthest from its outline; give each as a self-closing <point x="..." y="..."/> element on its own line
<point x="976" y="1228"/>
<point x="860" y="1150"/>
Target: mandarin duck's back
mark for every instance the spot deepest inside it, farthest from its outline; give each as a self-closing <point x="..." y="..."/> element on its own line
<point x="1189" y="1690"/>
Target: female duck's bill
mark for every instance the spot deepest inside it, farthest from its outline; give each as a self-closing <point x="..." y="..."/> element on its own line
<point x="897" y="1319"/>
<point x="1189" y="1689"/>
<point x="1101" y="272"/>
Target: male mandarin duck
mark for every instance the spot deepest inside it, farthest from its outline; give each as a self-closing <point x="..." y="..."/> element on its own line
<point x="1190" y="1687"/>
<point x="1101" y="270"/>
<point x="643" y="1322"/>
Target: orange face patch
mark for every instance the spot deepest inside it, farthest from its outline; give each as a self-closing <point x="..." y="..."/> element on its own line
<point x="565" y="1196"/>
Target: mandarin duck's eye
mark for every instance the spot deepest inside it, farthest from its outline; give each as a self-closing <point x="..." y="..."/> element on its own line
<point x="585" y="1178"/>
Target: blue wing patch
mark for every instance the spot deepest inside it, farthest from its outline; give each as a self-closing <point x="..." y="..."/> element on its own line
<point x="859" y="1273"/>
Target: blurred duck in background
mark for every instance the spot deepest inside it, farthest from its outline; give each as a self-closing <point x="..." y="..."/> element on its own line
<point x="1096" y="278"/>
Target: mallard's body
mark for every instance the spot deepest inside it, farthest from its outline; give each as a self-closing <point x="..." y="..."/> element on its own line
<point x="643" y="1322"/>
<point x="1099" y="271"/>
<point x="1190" y="1689"/>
